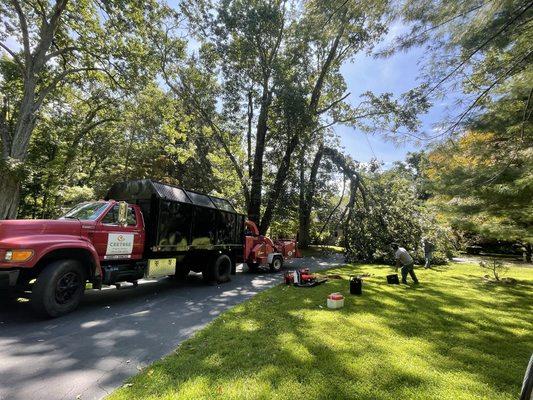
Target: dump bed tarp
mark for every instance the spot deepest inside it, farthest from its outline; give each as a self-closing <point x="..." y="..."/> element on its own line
<point x="144" y="189"/>
<point x="178" y="219"/>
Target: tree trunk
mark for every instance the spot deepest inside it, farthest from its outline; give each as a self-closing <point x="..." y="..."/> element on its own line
<point x="249" y="132"/>
<point x="336" y="207"/>
<point x="254" y="208"/>
<point x="281" y="176"/>
<point x="301" y="198"/>
<point x="304" y="239"/>
<point x="306" y="201"/>
<point x="349" y="207"/>
<point x="15" y="143"/>
<point x="9" y="195"/>
<point x="347" y="166"/>
<point x="10" y="180"/>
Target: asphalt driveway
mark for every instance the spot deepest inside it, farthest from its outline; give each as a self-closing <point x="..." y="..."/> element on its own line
<point x="114" y="333"/>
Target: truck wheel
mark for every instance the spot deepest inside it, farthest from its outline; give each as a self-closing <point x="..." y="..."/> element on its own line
<point x="277" y="264"/>
<point x="59" y="288"/>
<point x="218" y="271"/>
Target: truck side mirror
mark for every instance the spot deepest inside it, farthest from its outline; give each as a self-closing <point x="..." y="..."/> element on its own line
<point x="123" y="213"/>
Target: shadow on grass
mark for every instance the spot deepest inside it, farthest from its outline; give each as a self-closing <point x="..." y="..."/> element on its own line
<point x="447" y="338"/>
<point x="439" y="268"/>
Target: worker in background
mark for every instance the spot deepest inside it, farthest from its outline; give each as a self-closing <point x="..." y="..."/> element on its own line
<point x="405" y="261"/>
<point x="428" y="252"/>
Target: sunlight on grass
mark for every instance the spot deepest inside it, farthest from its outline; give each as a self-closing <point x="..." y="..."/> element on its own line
<point x="452" y="337"/>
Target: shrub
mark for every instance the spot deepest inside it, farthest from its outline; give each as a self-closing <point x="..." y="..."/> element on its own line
<point x="496" y="267"/>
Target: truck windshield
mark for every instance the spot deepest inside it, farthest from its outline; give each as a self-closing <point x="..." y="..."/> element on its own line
<point x="86" y="211"/>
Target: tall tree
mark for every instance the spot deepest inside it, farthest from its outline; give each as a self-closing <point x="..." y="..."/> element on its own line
<point x="280" y="72"/>
<point x="56" y="43"/>
<point x="335" y="34"/>
<point x="246" y="37"/>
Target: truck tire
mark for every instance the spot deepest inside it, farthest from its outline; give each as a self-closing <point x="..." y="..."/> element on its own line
<point x="218" y="271"/>
<point x="277" y="264"/>
<point x="59" y="288"/>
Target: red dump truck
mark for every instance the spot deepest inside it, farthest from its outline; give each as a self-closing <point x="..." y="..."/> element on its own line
<point x="143" y="229"/>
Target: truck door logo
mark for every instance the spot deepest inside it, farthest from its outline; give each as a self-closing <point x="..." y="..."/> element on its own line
<point x="119" y="243"/>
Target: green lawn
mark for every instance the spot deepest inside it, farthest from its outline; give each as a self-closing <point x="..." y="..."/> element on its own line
<point x="452" y="337"/>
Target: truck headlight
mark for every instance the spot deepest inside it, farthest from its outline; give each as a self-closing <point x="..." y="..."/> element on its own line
<point x="19" y="255"/>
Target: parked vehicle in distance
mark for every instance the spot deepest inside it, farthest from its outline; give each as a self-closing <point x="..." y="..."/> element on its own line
<point x="142" y="229"/>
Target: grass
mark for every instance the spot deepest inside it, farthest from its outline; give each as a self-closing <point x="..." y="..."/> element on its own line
<point x="452" y="337"/>
<point x="320" y="250"/>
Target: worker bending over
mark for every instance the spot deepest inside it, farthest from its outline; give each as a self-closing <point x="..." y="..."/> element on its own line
<point x="404" y="260"/>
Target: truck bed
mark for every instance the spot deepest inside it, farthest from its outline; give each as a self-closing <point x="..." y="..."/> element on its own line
<point x="178" y="220"/>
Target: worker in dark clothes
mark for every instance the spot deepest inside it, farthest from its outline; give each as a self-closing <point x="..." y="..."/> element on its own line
<point x="405" y="261"/>
<point x="428" y="252"/>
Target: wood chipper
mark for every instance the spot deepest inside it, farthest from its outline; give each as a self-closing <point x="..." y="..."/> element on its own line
<point x="261" y="251"/>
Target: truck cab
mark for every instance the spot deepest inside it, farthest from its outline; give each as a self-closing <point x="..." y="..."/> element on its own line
<point x="111" y="238"/>
<point x="57" y="257"/>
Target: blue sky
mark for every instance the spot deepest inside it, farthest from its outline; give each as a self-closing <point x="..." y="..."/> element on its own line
<point x="396" y="74"/>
